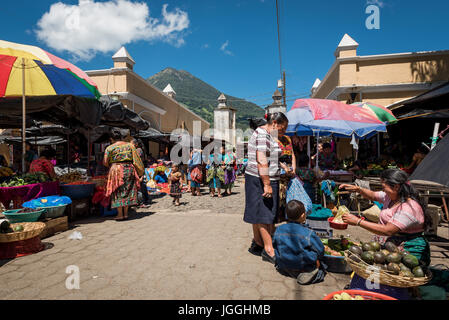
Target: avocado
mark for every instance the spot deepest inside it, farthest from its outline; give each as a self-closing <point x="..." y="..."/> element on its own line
<point x="366" y="247"/>
<point x="18" y="228"/>
<point x="390" y="246"/>
<point x="385" y="252"/>
<point x="404" y="267"/>
<point x="375" y="245"/>
<point x="356" y="250"/>
<point x="368" y="257"/>
<point x="410" y="261"/>
<point x="394" y="268"/>
<point x="379" y="257"/>
<point x="405" y="273"/>
<point x="418" y="272"/>
<point x="394" y="257"/>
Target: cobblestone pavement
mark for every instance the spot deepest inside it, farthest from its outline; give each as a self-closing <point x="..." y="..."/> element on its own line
<point x="195" y="251"/>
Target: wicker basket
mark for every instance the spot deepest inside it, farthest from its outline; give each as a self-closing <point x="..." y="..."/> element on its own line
<point x="30" y="230"/>
<point x="386" y="277"/>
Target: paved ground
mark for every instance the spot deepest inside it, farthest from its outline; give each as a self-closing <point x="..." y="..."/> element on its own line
<point x="195" y="251"/>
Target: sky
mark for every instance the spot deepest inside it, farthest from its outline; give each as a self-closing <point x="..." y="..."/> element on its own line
<point x="230" y="44"/>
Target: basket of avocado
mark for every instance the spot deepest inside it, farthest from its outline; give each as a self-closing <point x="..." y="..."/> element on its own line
<point x="387" y="264"/>
<point x="334" y="254"/>
<point x="21" y="231"/>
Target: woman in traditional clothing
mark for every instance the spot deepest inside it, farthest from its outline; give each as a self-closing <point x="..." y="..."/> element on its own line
<point x="215" y="176"/>
<point x="43" y="164"/>
<point x="228" y="165"/>
<point x="125" y="171"/>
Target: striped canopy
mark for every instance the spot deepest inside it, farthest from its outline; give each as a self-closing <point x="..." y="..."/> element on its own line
<point x="45" y="74"/>
<point x="380" y="112"/>
<point x="329" y="117"/>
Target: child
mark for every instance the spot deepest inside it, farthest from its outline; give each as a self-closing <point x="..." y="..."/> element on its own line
<point x="175" y="184"/>
<point x="298" y="249"/>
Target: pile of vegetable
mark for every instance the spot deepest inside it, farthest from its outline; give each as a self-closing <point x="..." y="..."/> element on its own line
<point x="71" y="177"/>
<point x="347" y="296"/>
<point x="6" y="172"/>
<point x="337" y="247"/>
<point x="25" y="179"/>
<point x="388" y="258"/>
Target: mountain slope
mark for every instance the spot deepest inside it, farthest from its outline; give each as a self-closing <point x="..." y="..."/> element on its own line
<point x="201" y="97"/>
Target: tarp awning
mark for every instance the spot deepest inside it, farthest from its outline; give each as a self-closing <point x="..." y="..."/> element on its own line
<point x="435" y="166"/>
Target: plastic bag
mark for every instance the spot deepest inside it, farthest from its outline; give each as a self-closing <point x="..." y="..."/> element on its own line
<point x="339" y="216"/>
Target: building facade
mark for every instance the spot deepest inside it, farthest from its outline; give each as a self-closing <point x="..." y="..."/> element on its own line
<point x="160" y="109"/>
<point x="384" y="79"/>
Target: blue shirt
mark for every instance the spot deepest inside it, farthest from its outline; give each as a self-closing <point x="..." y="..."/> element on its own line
<point x="297" y="247"/>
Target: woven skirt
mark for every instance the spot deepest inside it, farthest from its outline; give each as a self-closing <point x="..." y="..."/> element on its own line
<point x="126" y="194"/>
<point x="260" y="210"/>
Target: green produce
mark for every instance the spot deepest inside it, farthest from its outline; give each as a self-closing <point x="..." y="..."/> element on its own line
<point x="367" y="247"/>
<point x="356" y="250"/>
<point x="18" y="228"/>
<point x="390" y="246"/>
<point x="368" y="257"/>
<point x="406" y="273"/>
<point x="394" y="268"/>
<point x="379" y="257"/>
<point x="418" y="272"/>
<point x="410" y="261"/>
<point x="375" y="245"/>
<point x="404" y="267"/>
<point x="385" y="252"/>
<point x="394" y="257"/>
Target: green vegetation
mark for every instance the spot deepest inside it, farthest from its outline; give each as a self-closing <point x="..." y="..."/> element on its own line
<point x="201" y="97"/>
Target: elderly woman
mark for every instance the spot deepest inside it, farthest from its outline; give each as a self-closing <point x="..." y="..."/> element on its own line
<point x="402" y="219"/>
<point x="262" y="184"/>
<point x="125" y="171"/>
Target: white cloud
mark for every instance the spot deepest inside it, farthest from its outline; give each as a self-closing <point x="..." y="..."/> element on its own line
<point x="224" y="48"/>
<point x="205" y="46"/>
<point x="92" y="27"/>
<point x="379" y="3"/>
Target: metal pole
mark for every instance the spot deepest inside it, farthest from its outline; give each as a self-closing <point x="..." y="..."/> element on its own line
<point x="283" y="93"/>
<point x="68" y="153"/>
<point x="88" y="152"/>
<point x="378" y="144"/>
<point x="308" y="151"/>
<point x="23" y="117"/>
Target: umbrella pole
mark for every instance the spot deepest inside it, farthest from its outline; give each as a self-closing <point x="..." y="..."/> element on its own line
<point x="88" y="151"/>
<point x="308" y="151"/>
<point x="378" y="144"/>
<point x="23" y="117"/>
<point x="317" y="150"/>
<point x="68" y="153"/>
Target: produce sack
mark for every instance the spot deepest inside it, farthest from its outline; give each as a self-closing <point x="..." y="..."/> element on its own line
<point x="372" y="214"/>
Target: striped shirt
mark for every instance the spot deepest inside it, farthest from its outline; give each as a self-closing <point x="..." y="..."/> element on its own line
<point x="262" y="141"/>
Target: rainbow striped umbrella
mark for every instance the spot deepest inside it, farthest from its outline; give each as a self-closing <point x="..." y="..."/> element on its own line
<point x="45" y="74"/>
<point x="383" y="114"/>
<point x="29" y="71"/>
